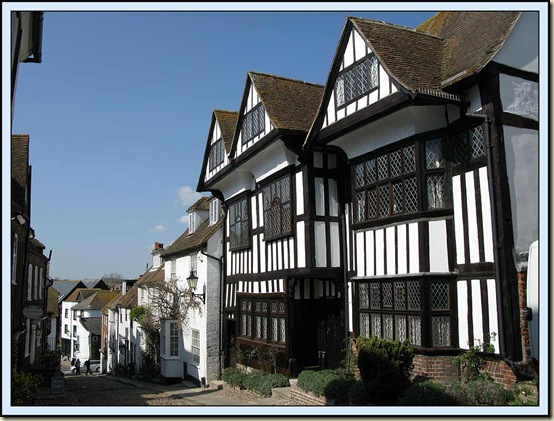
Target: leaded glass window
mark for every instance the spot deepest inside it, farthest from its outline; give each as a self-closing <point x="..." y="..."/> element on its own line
<point x="217" y="153"/>
<point x="468" y="145"/>
<point x="239" y="224"/>
<point x="364" y="298"/>
<point x="357" y="80"/>
<point x="268" y="317"/>
<point x="253" y="123"/>
<point x="277" y="208"/>
<point x="441" y="330"/>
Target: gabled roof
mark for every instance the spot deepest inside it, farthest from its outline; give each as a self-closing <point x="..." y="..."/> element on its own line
<point x="186" y="243"/>
<point x="67" y="287"/>
<point x="96" y="283"/>
<point x="152" y="276"/>
<point x="129" y="299"/>
<point x="81" y="293"/>
<point x="112" y="304"/>
<point x="227" y="121"/>
<point x="19" y="171"/>
<point x="92" y="324"/>
<point x="472" y="39"/>
<point x="201" y="204"/>
<point x="96" y="301"/>
<point x="37" y="244"/>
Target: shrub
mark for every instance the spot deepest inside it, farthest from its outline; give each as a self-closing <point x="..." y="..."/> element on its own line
<point x="426" y="393"/>
<point x="316" y="381"/>
<point x="357" y="395"/>
<point x="385" y="367"/>
<point x="233" y="377"/>
<point x="479" y="393"/>
<point x="24" y="384"/>
<point x="525" y="394"/>
<point x="472" y="362"/>
<point x="338" y="390"/>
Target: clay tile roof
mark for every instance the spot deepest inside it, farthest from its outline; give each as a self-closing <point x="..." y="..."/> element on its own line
<point x="52" y="304"/>
<point x="130" y="298"/>
<point x="92" y="324"/>
<point x="291" y="104"/>
<point x="112" y="304"/>
<point x="472" y="39"/>
<point x="151" y="277"/>
<point x="81" y="294"/>
<point x="193" y="241"/>
<point x="96" y="301"/>
<point x="201" y="204"/>
<point x="413" y="58"/>
<point x="36" y="243"/>
<point x="227" y="123"/>
<point x="20" y="165"/>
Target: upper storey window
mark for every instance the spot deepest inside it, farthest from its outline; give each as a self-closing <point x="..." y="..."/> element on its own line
<point x="468" y="146"/>
<point x="239" y="225"/>
<point x="357" y="80"/>
<point x="277" y="208"/>
<point x="253" y="123"/>
<point x="399" y="182"/>
<point x="216" y="154"/>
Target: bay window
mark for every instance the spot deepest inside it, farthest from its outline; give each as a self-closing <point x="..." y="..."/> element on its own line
<point x="263" y="319"/>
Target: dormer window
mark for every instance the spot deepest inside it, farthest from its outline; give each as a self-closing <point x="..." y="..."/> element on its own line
<point x="357" y="80"/>
<point x="216" y="154"/>
<point x="253" y="123"/>
<point x="214" y="211"/>
<point x="192" y="223"/>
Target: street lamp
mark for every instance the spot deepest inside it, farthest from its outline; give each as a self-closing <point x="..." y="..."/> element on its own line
<point x="192" y="280"/>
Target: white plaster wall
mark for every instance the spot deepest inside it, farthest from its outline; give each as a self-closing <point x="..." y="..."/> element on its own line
<point x="519" y="96"/>
<point x="320" y="244"/>
<point x="438" y="247"/>
<point x="522" y="165"/>
<point x="521" y="49"/>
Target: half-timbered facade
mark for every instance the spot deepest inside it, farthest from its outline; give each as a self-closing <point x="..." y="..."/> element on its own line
<point x="283" y="276"/>
<point x="433" y="128"/>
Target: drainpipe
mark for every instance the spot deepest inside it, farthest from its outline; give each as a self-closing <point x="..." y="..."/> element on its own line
<point x="497" y="246"/>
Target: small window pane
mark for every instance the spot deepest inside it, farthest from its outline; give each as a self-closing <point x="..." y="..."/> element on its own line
<point x="282" y="329"/>
<point x="374" y="70"/>
<point x="441" y="330"/>
<point x="433" y="154"/>
<point x="439" y="296"/>
<point x="397" y="197"/>
<point x="409" y="159"/>
<point x="339" y="90"/>
<point x="435" y="191"/>
<point x="400" y="295"/>
<point x="477" y="142"/>
<point x="382" y="167"/>
<point x="383" y="201"/>
<point x="371" y="171"/>
<point x="387" y="294"/>
<point x="415" y="330"/>
<point x="460" y="148"/>
<point x="360" y="175"/>
<point x="376" y="325"/>
<point x="372" y="204"/>
<point x="414" y="299"/>
<point x="410" y="185"/>
<point x="396" y="163"/>
<point x="364" y="325"/>
<point x="274" y="329"/>
<point x="388" y="328"/>
<point x="375" y="298"/>
<point x="401" y="331"/>
<point x="364" y="297"/>
<point x="360" y="206"/>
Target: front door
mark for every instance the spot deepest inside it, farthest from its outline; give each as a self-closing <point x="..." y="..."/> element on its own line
<point x="330" y="333"/>
<point x="230" y="343"/>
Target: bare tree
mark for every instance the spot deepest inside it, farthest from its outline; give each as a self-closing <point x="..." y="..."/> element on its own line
<point x="113" y="275"/>
<point x="171" y="300"/>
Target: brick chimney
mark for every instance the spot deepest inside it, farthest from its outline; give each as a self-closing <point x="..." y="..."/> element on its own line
<point x="156" y="252"/>
<point x="158" y="246"/>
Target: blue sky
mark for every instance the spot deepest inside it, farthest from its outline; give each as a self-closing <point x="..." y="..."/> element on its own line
<point x="118" y="115"/>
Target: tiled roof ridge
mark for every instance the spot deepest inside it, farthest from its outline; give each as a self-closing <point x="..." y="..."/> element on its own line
<point x="288" y="79"/>
<point x="225" y="111"/>
<point x="196" y="205"/>
<point x="405" y="28"/>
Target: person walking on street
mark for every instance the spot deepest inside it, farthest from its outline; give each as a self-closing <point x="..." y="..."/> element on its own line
<point x="87" y="365"/>
<point x="78" y="366"/>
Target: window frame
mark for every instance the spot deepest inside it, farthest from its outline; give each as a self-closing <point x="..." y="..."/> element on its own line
<point x="256" y="112"/>
<point x="248" y="326"/>
<point x="245" y="225"/>
<point x="195" y="345"/>
<point x="359" y="94"/>
<point x="217" y="154"/>
<point x="278" y="232"/>
<point x="425" y="312"/>
<point x="215" y="210"/>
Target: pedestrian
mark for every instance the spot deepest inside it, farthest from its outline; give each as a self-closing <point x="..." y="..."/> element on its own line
<point x="78" y="366"/>
<point x="87" y="365"/>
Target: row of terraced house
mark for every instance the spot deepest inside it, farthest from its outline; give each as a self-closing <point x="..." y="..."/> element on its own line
<point x="399" y="200"/>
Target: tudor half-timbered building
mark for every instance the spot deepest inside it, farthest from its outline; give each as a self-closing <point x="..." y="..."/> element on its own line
<point x="283" y="278"/>
<point x="433" y="128"/>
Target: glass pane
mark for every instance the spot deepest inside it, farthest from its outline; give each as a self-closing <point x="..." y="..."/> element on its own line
<point x="364" y="297"/>
<point x="435" y="191"/>
<point x="286" y="220"/>
<point x="372" y="202"/>
<point x="264" y="306"/>
<point x="396" y="163"/>
<point x="258" y="327"/>
<point x="460" y="148"/>
<point x="433" y="154"/>
<point x="360" y="176"/>
<point x="274" y="329"/>
<point x="285" y="189"/>
<point x="397" y="197"/>
<point x="258" y="306"/>
<point x="248" y="325"/>
<point x="477" y="142"/>
<point x="409" y="159"/>
<point x="350" y="79"/>
<point x="401" y="331"/>
<point x="387" y="294"/>
<point x="282" y="330"/>
<point x="441" y="330"/>
<point x="339" y="90"/>
<point x="388" y="329"/>
<point x="382" y="167"/>
<point x="439" y="296"/>
<point x="414" y="298"/>
<point x="264" y="327"/>
<point x="363" y="77"/>
<point x="371" y="171"/>
<point x="375" y="297"/>
<point x="374" y="70"/>
<point x="360" y="206"/>
<point x="383" y="201"/>
<point x="243" y="325"/>
<point x="400" y="295"/>
<point x="415" y="330"/>
<point x="281" y="307"/>
<point x="410" y="185"/>
<point x="376" y="325"/>
<point x="364" y="325"/>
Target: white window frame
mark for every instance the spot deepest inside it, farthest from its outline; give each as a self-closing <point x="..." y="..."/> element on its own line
<point x="214" y="211"/>
<point x="14" y="258"/>
<point x="195" y="345"/>
<point x="36" y="282"/>
<point x="30" y="283"/>
<point x="41" y="283"/>
<point x="192" y="222"/>
<point x="166" y="336"/>
<point x="194" y="263"/>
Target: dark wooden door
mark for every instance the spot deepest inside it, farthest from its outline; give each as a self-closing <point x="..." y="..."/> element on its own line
<point x="230" y="344"/>
<point x="330" y="333"/>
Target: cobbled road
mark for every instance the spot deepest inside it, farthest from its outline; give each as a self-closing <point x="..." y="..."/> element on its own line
<point x="101" y="390"/>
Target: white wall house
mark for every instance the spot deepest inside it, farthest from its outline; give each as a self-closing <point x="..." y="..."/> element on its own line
<point x="190" y="346"/>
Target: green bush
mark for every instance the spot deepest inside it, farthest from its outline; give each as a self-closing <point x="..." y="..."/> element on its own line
<point x="385" y="367"/>
<point x="24" y="384"/>
<point x="316" y="381"/>
<point x="357" y="395"/>
<point x="479" y="393"/>
<point x="338" y="389"/>
<point x="233" y="377"/>
<point x="426" y="393"/>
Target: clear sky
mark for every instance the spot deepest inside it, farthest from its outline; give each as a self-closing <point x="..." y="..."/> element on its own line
<point x="118" y="114"/>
